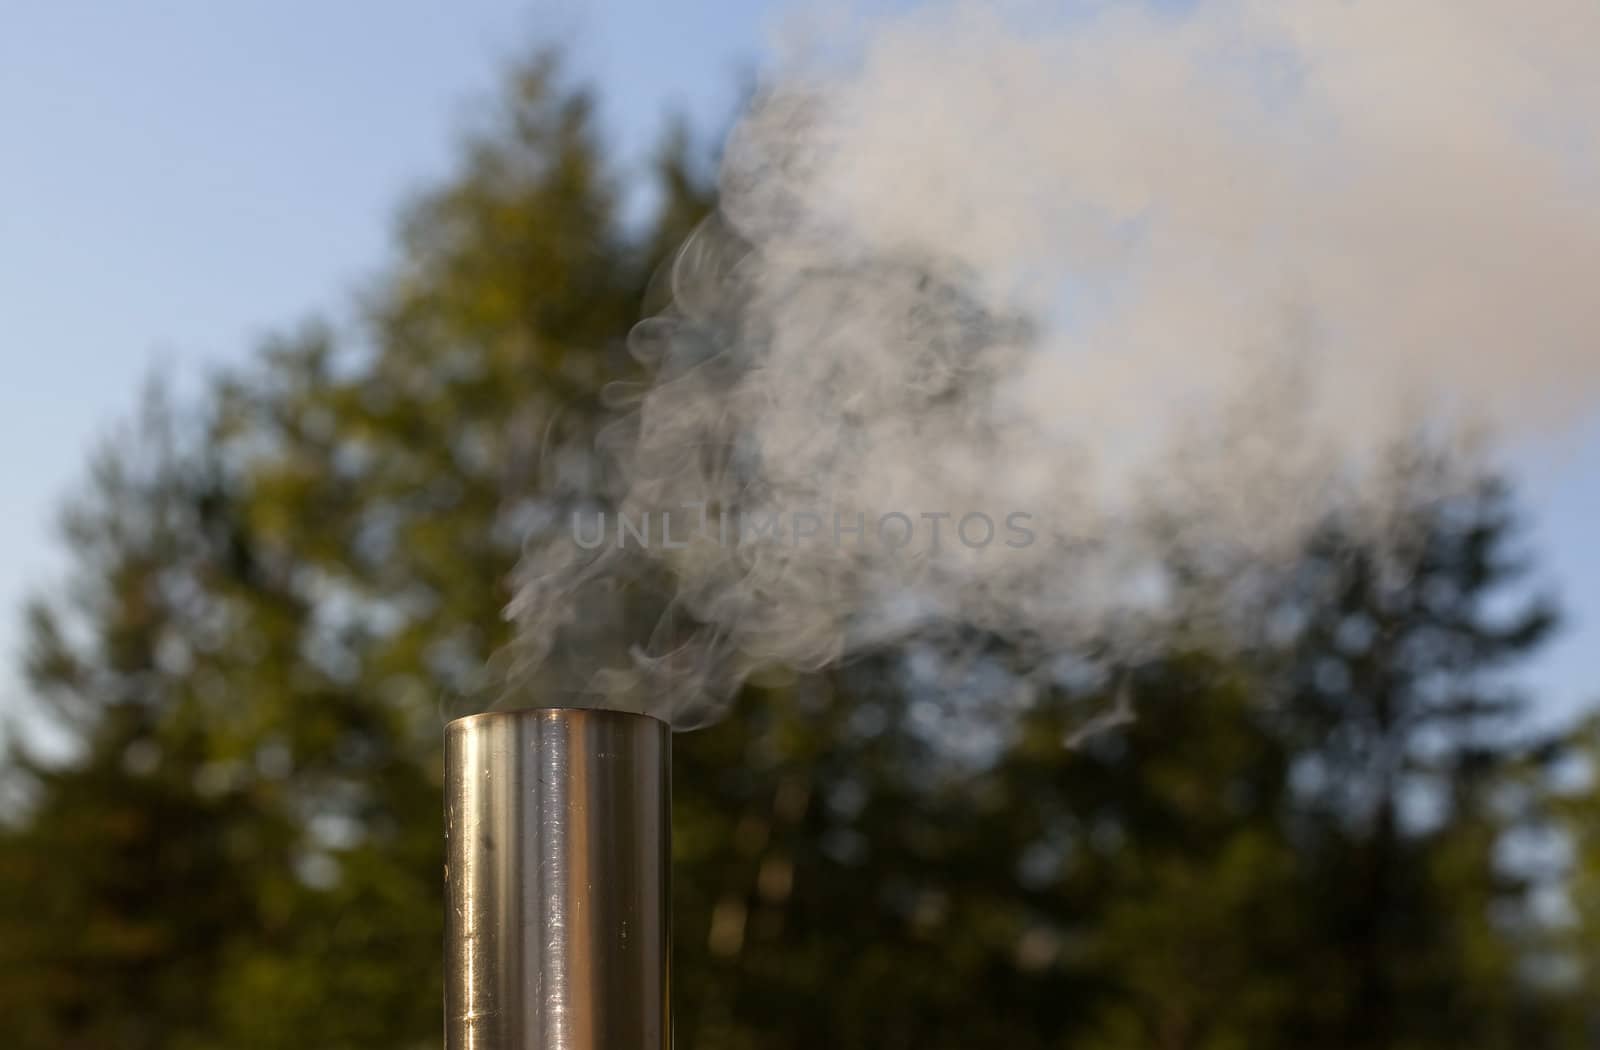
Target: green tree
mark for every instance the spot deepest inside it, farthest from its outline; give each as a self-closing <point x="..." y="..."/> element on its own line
<point x="1406" y="731"/>
<point x="280" y="593"/>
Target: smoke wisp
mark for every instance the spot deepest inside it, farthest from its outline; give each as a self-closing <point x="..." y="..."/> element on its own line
<point x="1128" y="279"/>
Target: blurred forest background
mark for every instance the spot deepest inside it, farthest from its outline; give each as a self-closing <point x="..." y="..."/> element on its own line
<point x="1340" y="835"/>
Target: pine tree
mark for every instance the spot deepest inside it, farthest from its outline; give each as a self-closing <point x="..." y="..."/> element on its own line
<point x="283" y="590"/>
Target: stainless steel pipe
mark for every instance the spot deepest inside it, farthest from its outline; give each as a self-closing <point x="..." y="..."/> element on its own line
<point x="557" y="895"/>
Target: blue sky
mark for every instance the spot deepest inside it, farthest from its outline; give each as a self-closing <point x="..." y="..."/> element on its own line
<point x="179" y="178"/>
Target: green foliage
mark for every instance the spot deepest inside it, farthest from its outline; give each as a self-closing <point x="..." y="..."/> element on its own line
<point x="280" y="595"/>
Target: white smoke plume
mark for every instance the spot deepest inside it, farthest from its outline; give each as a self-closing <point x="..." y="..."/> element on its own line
<point x="1147" y="276"/>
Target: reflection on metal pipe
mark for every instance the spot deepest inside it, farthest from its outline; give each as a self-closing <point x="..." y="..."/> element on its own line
<point x="557" y="921"/>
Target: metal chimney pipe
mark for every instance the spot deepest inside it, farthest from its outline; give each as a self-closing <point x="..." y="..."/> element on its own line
<point x="557" y="910"/>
